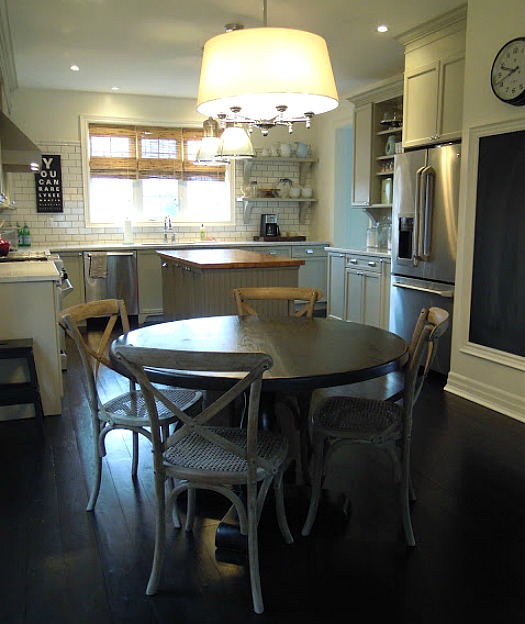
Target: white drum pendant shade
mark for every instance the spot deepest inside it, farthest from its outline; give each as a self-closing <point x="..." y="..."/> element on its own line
<point x="260" y="69"/>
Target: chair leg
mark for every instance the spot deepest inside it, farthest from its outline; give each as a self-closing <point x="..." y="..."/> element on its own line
<point x="160" y="536"/>
<point x="253" y="549"/>
<point x="190" y="513"/>
<point x="97" y="477"/>
<point x="317" y="481"/>
<point x="281" y="510"/>
<point x="135" y="459"/>
<point x="406" y="488"/>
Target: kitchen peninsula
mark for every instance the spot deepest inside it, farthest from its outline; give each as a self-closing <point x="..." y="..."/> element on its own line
<point x="198" y="282"/>
<point x="29" y="296"/>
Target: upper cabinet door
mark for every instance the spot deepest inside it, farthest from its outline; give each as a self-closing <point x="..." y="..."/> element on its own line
<point x="363" y="117"/>
<point x="433" y="102"/>
<point x="420" y="104"/>
<point x="450" y="114"/>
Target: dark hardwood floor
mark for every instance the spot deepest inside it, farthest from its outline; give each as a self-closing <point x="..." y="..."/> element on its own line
<point x="60" y="564"/>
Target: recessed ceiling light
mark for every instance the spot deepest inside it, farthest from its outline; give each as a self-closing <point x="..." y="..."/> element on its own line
<point x="74" y="68"/>
<point x="115" y="88"/>
<point x="382" y="28"/>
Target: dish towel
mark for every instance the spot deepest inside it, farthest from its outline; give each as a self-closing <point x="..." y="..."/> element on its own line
<point x="98" y="265"/>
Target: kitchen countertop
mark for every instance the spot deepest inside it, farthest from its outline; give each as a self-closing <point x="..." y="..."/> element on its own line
<point x="181" y="245"/>
<point x="362" y="251"/>
<point x="227" y="259"/>
<point x="31" y="271"/>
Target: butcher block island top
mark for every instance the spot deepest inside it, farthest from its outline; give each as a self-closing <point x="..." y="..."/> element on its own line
<point x="227" y="259"/>
<point x="198" y="282"/>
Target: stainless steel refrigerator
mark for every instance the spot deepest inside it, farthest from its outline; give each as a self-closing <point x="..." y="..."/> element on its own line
<point x="424" y="238"/>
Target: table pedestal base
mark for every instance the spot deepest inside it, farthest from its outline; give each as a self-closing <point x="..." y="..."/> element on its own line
<point x="332" y="517"/>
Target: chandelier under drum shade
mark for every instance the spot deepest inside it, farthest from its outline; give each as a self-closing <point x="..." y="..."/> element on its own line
<point x="263" y="77"/>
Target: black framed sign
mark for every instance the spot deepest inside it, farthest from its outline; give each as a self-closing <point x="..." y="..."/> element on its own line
<point x="48" y="182"/>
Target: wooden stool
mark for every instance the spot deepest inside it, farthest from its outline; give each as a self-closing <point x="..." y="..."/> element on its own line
<point x="21" y="393"/>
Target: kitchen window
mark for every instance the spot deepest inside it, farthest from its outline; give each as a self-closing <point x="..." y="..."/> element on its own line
<point x="146" y="173"/>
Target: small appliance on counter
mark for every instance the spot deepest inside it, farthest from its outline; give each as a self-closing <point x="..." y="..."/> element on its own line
<point x="269" y="226"/>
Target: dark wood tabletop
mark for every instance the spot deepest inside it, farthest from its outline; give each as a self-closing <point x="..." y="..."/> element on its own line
<point x="307" y="353"/>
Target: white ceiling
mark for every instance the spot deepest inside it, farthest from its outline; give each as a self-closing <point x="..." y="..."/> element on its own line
<point x="154" y="47"/>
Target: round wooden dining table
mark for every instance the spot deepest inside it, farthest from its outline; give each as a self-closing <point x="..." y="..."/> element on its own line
<point x="307" y="354"/>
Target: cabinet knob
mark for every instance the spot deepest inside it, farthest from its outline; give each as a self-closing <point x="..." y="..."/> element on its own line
<point x="353" y="261"/>
<point x="372" y="264"/>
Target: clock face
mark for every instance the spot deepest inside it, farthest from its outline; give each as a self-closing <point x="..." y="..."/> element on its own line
<point x="508" y="73"/>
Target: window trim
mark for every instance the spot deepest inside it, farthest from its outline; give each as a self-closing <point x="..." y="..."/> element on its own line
<point x="85" y="120"/>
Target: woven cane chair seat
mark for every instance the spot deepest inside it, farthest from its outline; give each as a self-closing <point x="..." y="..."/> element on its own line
<point x="197" y="454"/>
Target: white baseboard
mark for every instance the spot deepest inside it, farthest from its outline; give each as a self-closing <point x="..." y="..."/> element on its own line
<point x="489" y="396"/>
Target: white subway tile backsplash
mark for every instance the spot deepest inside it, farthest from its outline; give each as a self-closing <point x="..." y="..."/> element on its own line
<point x="68" y="228"/>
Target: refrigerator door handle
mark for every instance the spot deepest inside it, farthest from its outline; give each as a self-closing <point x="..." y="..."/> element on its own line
<point x="428" y="177"/>
<point x="418" y="217"/>
<point x="449" y="294"/>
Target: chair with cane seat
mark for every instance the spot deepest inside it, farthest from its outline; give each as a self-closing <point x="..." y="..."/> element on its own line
<point x="200" y="456"/>
<point x="308" y="296"/>
<point x="299" y="404"/>
<point x="127" y="410"/>
<point x="387" y="425"/>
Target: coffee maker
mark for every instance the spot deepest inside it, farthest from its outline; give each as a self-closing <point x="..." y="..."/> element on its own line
<point x="269" y="225"/>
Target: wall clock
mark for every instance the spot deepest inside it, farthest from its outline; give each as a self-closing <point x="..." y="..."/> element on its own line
<point x="507" y="76"/>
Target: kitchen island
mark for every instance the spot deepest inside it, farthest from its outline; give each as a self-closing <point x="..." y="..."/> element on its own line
<point x="29" y="292"/>
<point x="198" y="282"/>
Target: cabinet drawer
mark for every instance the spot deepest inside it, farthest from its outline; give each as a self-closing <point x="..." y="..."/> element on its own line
<point x="276" y="250"/>
<point x="368" y="263"/>
<point x="304" y="251"/>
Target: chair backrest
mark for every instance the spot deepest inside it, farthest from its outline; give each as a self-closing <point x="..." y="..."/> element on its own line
<point x="94" y="349"/>
<point x="431" y="325"/>
<point x="253" y="365"/>
<point x="277" y="293"/>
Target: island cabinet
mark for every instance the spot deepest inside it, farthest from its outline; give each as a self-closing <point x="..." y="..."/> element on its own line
<point x="199" y="282"/>
<point x="433" y="82"/>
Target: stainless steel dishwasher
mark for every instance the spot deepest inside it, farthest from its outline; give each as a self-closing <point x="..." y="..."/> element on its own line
<point x="112" y="275"/>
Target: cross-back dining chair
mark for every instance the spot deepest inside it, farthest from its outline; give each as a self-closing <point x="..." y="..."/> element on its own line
<point x="308" y="296"/>
<point x="387" y="425"/>
<point x="200" y="456"/>
<point x="299" y="403"/>
<point x="127" y="410"/>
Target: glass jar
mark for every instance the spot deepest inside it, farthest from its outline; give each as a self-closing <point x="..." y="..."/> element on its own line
<point x="371" y="236"/>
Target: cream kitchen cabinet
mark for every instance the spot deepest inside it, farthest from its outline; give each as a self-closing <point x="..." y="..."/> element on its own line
<point x="371" y="164"/>
<point x="150" y="284"/>
<point x="336" y="285"/>
<point x="75" y="272"/>
<point x="359" y="288"/>
<point x="313" y="272"/>
<point x="433" y="102"/>
<point x="433" y="82"/>
<point x="367" y="290"/>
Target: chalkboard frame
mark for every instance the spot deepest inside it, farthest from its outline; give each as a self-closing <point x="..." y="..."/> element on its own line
<point x="497" y="298"/>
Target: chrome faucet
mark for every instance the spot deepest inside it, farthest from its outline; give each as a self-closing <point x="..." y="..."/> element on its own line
<point x="167" y="229"/>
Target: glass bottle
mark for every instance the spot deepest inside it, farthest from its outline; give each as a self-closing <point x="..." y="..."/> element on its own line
<point x="26" y="235"/>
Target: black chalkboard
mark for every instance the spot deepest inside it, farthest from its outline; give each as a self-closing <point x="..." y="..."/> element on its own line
<point x="497" y="313"/>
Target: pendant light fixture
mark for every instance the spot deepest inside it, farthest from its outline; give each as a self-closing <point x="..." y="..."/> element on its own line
<point x="263" y="77"/>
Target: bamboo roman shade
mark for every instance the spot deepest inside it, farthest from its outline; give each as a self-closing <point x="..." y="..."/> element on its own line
<point x="135" y="152"/>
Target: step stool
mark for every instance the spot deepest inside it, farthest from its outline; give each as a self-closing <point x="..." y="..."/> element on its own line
<point x="21" y="393"/>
